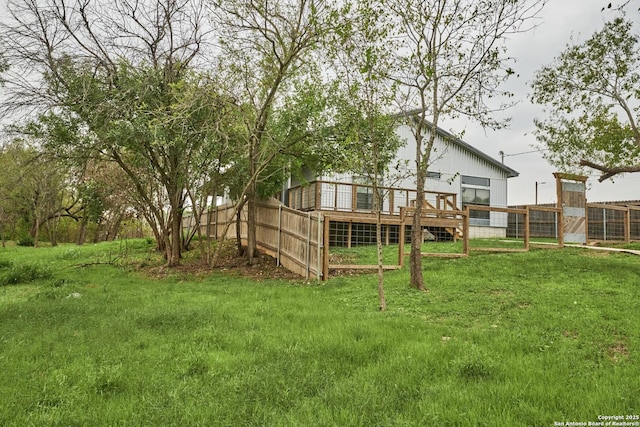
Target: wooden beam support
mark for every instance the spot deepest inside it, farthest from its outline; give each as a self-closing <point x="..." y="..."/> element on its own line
<point x="325" y="249"/>
<point x="401" y="238"/>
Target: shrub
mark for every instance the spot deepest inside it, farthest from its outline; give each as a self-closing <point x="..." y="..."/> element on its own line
<point x="24" y="273"/>
<point x="25" y="241"/>
<point x="69" y="254"/>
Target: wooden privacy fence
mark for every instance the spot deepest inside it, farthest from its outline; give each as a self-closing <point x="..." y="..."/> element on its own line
<point x="292" y="237"/>
<point x="214" y="222"/>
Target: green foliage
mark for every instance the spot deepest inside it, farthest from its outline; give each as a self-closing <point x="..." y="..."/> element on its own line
<point x="592" y="91"/>
<point x="25" y="240"/>
<point x="92" y="198"/>
<point x="24" y="273"/>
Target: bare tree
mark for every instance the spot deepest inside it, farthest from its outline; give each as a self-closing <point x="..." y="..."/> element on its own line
<point x="451" y="59"/>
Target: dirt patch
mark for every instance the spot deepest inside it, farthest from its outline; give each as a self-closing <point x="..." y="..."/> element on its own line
<point x="342" y="258"/>
<point x="570" y="334"/>
<point x="230" y="262"/>
<point x="618" y="352"/>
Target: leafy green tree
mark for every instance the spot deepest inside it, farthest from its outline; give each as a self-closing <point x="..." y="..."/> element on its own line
<point x="9" y="176"/>
<point x="592" y="92"/>
<point x="269" y="61"/>
<point x="363" y="124"/>
<point x="450" y="61"/>
<point x="117" y="81"/>
<point x="92" y="207"/>
<point x="34" y="190"/>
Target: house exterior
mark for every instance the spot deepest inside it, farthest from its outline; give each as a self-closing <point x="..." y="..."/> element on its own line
<point x="459" y="175"/>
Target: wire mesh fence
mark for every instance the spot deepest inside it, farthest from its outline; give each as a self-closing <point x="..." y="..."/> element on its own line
<point x="634" y="223"/>
<point x="354" y="197"/>
<point x="543" y="223"/>
<point x="608" y="223"/>
<point x="349" y="234"/>
<point x="489" y="229"/>
<point x="311" y="243"/>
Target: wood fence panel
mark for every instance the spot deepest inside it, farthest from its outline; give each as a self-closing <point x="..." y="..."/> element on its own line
<point x="291" y="237"/>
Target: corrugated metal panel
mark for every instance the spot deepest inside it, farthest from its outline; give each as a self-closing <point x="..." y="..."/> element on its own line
<point x="499" y="192"/>
<point x="578" y="187"/>
<point x="575" y="238"/>
<point x="579" y="212"/>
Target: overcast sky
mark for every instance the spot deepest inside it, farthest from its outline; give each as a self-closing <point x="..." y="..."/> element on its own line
<point x="560" y="21"/>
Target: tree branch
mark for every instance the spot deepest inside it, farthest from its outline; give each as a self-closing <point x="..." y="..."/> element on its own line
<point x="609" y="172"/>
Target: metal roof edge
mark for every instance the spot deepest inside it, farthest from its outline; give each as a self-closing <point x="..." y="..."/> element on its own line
<point x="512" y="173"/>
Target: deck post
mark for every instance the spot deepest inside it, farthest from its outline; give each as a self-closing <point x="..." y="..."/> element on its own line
<point x="318" y="248"/>
<point x="325" y="249"/>
<point x="560" y="205"/>
<point x="465" y="225"/>
<point x="317" y="204"/>
<point x="401" y="239"/>
<point x="354" y="197"/>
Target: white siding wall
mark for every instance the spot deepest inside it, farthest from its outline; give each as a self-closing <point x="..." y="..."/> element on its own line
<point x="449" y="159"/>
<point x="452" y="161"/>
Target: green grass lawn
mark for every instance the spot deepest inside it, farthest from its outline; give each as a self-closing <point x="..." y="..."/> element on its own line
<point x="524" y="339"/>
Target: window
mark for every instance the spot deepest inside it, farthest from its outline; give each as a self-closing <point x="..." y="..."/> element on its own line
<point x="476" y="191"/>
<point x="475" y="196"/>
<point x="475" y="181"/>
<point x="364" y="198"/>
<point x="364" y="193"/>
<point x="434" y="175"/>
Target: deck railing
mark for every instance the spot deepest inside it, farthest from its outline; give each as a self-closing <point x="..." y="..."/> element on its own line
<point x="350" y="197"/>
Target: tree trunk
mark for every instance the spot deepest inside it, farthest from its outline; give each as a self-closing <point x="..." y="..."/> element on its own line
<point x="173" y="240"/>
<point x="415" y="257"/>
<point x="36" y="233"/>
<point x="221" y="240"/>
<point x="82" y="231"/>
<point x="208" y="236"/>
<point x="381" y="298"/>
<point x="239" y="232"/>
<point x="251" y="224"/>
<point x="52" y="229"/>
